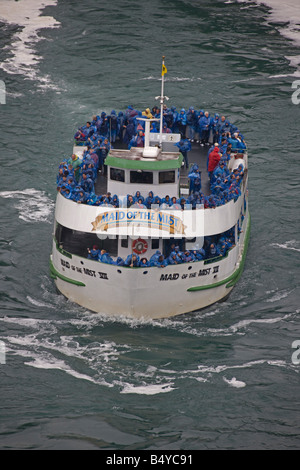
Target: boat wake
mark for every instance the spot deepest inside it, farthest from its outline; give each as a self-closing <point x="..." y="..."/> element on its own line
<point x="287" y="16"/>
<point x="23" y="58"/>
<point x="83" y="348"/>
<point x="33" y="205"/>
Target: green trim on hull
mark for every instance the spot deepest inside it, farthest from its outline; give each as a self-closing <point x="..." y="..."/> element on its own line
<point x="55" y="274"/>
<point x="233" y="279"/>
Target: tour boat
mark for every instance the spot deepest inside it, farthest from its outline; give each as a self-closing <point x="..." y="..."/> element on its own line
<point x="180" y="274"/>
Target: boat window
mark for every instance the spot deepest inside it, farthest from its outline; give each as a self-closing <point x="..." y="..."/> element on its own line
<point x="166" y="177"/>
<point x="77" y="243"/>
<point x="141" y="177"/>
<point x="124" y="242"/>
<point x="116" y="174"/>
<point x="155" y="244"/>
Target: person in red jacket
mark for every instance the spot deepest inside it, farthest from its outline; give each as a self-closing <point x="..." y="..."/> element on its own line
<point x="214" y="158"/>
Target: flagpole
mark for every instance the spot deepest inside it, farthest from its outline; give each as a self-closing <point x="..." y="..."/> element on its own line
<point x="162" y="98"/>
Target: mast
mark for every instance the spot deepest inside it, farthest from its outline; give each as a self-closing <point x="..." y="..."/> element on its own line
<point x="162" y="97"/>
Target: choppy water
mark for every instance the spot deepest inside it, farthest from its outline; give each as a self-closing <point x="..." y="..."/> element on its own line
<point x="222" y="378"/>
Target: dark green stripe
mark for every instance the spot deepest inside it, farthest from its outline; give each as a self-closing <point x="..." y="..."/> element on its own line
<point x="233" y="279"/>
<point x="55" y="274"/>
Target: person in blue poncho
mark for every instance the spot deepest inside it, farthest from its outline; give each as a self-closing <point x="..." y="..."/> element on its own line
<point x="87" y="183"/>
<point x="199" y="254"/>
<point x="212" y="251"/>
<point x="103" y="125"/>
<point x="66" y="192"/>
<point x="71" y="182"/>
<point x="166" y="200"/>
<point x="195" y="179"/>
<point x="149" y="200"/>
<point x="184" y="146"/>
<point x="226" y="127"/>
<point x="133" y="261"/>
<point x="175" y="256"/>
<point x="192" y="123"/>
<point x="93" y="253"/>
<point x="138" y="197"/>
<point x="159" y="262"/>
<point x="92" y="199"/>
<point x="237" y="142"/>
<point x="174" y="127"/>
<point x="154" y="258"/>
<point x="115" y="201"/>
<point x="80" y="196"/>
<point x="129" y="131"/>
<point x="137" y="141"/>
<point x="113" y="125"/>
<point x="169" y="118"/>
<point x="119" y="261"/>
<point x="121" y="127"/>
<point x="166" y="129"/>
<point x="104" y="257"/>
<point x="181" y="123"/>
<point x="204" y="127"/>
<point x="144" y="263"/>
<point x="173" y="259"/>
<point x="214" y="125"/>
<point x="104" y="149"/>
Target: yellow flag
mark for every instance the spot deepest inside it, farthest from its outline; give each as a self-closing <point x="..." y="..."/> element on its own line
<point x="164" y="69"/>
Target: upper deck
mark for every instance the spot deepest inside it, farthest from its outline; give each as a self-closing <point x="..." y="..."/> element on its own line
<point x="120" y="157"/>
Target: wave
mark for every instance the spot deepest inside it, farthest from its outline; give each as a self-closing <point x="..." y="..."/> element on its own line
<point x="173" y="79"/>
<point x="33" y="205"/>
<point x="278" y="295"/>
<point x="23" y="58"/>
<point x="289" y="245"/>
<point x="287" y="14"/>
<point x="63" y="345"/>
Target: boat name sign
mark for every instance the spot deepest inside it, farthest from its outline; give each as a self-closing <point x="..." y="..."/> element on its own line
<point x="149" y="223"/>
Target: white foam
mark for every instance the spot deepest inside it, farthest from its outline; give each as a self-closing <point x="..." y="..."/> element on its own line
<point x="33" y="205"/>
<point x="288" y="12"/>
<point x="234" y="382"/>
<point x="221" y="368"/>
<point x="278" y="295"/>
<point x="23" y="56"/>
<point x="172" y="79"/>
<point x="38" y="303"/>
<point x="289" y="245"/>
<point x="152" y="389"/>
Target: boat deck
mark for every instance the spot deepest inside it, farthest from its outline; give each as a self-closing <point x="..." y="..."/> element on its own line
<point x="196" y="155"/>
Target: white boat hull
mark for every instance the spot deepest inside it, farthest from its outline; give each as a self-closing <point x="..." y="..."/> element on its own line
<point x="152" y="292"/>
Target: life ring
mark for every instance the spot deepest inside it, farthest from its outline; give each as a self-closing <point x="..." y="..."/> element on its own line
<point x="139" y="246"/>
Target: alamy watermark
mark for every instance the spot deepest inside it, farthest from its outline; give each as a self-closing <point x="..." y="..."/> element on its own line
<point x="2" y="92"/>
<point x="296" y="94"/>
<point x="2" y="353"/>
<point x="296" y="354"/>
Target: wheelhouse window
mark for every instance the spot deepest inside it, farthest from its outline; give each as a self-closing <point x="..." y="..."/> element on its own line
<point x="166" y="177"/>
<point x="141" y="177"/>
<point x="77" y="243"/>
<point x="116" y="174"/>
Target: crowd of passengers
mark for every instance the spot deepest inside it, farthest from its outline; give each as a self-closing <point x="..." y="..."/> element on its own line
<point x="126" y="127"/>
<point x="212" y="248"/>
<point x="77" y="177"/>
